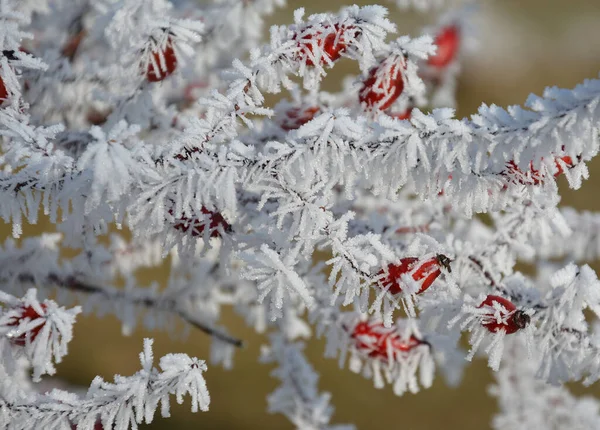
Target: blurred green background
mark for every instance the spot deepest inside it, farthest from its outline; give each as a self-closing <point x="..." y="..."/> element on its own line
<point x="525" y="46"/>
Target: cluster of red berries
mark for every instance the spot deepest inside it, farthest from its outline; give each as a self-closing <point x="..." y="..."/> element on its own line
<point x="377" y="341"/>
<point x="197" y="226"/>
<point x="424" y="272"/>
<point x="385" y="82"/>
<point x="532" y="176"/>
<point x="27" y="313"/>
<point x="427" y="271"/>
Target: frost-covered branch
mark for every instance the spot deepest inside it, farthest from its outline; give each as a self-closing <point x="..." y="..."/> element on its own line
<point x="297" y="397"/>
<point x="125" y="403"/>
<point x="16" y="271"/>
<point x="155" y="118"/>
<point x="526" y="402"/>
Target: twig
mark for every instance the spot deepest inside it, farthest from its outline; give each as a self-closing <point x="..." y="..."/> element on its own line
<point x="165" y="304"/>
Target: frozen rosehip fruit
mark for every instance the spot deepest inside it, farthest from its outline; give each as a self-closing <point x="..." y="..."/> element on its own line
<point x="97" y="425"/>
<point x="70" y="48"/>
<point x="3" y="91"/>
<point x="375" y="340"/>
<point x="197" y="226"/>
<point x="534" y="176"/>
<point x="447" y="42"/>
<point x="27" y="312"/>
<point x="402" y="115"/>
<point x="567" y="160"/>
<point x="516" y="320"/>
<point x="333" y="44"/>
<point x="165" y="69"/>
<point x="424" y="272"/>
<point x="384" y="84"/>
<point x="296" y="117"/>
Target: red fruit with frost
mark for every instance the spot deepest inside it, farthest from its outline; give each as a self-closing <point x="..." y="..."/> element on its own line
<point x="424" y="272"/>
<point x="534" y="176"/>
<point x="296" y="117"/>
<point x="384" y="84"/>
<point x="402" y="115"/>
<point x="333" y="44"/>
<point x="448" y="43"/>
<point x="72" y="45"/>
<point x="3" y="91"/>
<point x="96" y="117"/>
<point x="27" y="312"/>
<point x="567" y="160"/>
<point x="375" y="340"/>
<point x="516" y="320"/>
<point x="164" y="69"/>
<point x="197" y="226"/>
<point x="188" y="91"/>
<point x="441" y="193"/>
<point x="97" y="425"/>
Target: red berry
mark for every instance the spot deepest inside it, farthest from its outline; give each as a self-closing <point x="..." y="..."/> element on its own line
<point x="95" y="117"/>
<point x="402" y="115"/>
<point x="296" y="117"/>
<point x="375" y="340"/>
<point x="27" y="312"/>
<point x="534" y="176"/>
<point x="197" y="226"/>
<point x="188" y="91"/>
<point x="441" y="193"/>
<point x="516" y="321"/>
<point x="165" y="70"/>
<point x="567" y="160"/>
<point x="447" y="42"/>
<point x="70" y="48"/>
<point x="97" y="425"/>
<point x="3" y="91"/>
<point x="333" y="44"/>
<point x="384" y="84"/>
<point x="426" y="272"/>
